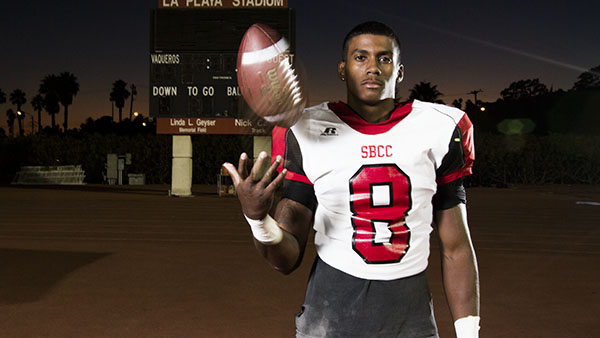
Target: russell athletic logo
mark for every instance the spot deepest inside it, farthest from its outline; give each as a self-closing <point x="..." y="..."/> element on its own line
<point x="330" y="131"/>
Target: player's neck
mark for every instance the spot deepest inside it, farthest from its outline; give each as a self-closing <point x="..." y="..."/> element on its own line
<point x="372" y="113"/>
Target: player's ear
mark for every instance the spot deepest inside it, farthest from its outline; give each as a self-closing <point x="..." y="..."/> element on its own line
<point x="342" y="70"/>
<point x="400" y="74"/>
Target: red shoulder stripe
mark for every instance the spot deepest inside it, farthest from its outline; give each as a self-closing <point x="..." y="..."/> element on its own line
<point x="278" y="148"/>
<point x="278" y="145"/>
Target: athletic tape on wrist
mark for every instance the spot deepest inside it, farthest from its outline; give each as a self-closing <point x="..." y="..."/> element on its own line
<point x="266" y="230"/>
<point x="467" y="327"/>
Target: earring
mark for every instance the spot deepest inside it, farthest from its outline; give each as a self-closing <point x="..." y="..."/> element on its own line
<point x="343" y="78"/>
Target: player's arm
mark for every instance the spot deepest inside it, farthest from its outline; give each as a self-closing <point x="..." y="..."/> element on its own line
<point x="282" y="239"/>
<point x="459" y="264"/>
<point x="295" y="220"/>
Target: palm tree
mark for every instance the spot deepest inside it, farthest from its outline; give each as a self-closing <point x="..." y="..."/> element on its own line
<point x="17" y="97"/>
<point x="119" y="94"/>
<point x="49" y="90"/>
<point x="38" y="105"/>
<point x="52" y="106"/>
<point x="67" y="88"/>
<point x="112" y="105"/>
<point x="10" y="114"/>
<point x="425" y="91"/>
<point x="133" y="94"/>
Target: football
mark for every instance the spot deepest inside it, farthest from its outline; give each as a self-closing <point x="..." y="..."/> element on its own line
<point x="268" y="77"/>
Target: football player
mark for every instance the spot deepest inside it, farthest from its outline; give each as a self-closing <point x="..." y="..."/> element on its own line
<point x="372" y="177"/>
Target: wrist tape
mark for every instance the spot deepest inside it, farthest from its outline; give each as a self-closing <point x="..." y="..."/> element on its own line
<point x="266" y="230"/>
<point x="467" y="327"/>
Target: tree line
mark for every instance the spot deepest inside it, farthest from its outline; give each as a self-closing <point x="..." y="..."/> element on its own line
<point x="534" y="106"/>
<point x="54" y="91"/>
<point x="518" y="90"/>
<point x="529" y="106"/>
<point x="535" y="156"/>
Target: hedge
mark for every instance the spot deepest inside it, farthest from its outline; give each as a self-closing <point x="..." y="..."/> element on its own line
<point x="151" y="154"/>
<point x="531" y="159"/>
<point x="500" y="160"/>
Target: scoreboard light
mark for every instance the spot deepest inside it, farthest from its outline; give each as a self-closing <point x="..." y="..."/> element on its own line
<point x="193" y="56"/>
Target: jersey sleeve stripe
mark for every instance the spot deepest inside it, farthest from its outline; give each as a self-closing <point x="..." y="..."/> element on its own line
<point x="453" y="176"/>
<point x="292" y="176"/>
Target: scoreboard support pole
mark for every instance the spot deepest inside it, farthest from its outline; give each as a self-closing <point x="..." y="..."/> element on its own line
<point x="262" y="143"/>
<point x="181" y="172"/>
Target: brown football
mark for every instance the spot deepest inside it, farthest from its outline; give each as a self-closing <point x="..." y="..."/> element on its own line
<point x="267" y="76"/>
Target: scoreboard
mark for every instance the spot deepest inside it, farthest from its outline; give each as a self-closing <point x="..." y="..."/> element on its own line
<point x="193" y="55"/>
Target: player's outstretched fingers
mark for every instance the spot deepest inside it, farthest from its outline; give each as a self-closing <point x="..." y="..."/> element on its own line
<point x="241" y="173"/>
<point x="260" y="166"/>
<point x="279" y="179"/>
<point x="242" y="166"/>
<point x="268" y="176"/>
<point x="276" y="182"/>
<point x="235" y="176"/>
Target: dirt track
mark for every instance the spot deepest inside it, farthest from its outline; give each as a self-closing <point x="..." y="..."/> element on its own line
<point x="99" y="261"/>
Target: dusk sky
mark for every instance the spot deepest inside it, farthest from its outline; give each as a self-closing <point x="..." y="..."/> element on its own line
<point x="460" y="46"/>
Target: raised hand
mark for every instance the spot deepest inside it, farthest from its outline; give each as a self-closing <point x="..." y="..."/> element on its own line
<point x="256" y="190"/>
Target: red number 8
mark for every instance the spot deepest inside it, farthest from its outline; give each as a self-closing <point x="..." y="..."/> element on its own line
<point x="379" y="201"/>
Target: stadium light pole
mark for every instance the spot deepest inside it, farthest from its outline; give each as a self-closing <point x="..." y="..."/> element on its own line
<point x="19" y="113"/>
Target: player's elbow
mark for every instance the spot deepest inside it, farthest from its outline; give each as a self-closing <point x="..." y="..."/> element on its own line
<point x="457" y="250"/>
<point x="285" y="271"/>
<point x="456" y="256"/>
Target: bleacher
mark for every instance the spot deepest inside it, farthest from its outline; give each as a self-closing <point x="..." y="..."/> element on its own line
<point x="64" y="174"/>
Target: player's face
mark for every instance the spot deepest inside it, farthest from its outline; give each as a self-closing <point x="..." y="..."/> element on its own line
<point x="371" y="69"/>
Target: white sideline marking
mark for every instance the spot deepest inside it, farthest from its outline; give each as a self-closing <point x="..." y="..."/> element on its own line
<point x="587" y="203"/>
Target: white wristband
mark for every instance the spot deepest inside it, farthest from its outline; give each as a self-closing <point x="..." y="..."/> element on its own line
<point x="467" y="327"/>
<point x="266" y="230"/>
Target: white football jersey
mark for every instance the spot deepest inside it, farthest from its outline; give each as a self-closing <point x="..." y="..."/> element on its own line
<point x="374" y="182"/>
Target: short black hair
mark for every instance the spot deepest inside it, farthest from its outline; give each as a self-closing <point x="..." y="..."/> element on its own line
<point x="369" y="27"/>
